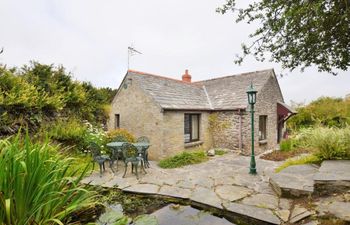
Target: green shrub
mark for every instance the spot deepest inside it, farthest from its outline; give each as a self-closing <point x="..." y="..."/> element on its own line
<point x="183" y="159"/>
<point x="37" y="186"/>
<point x="95" y="134"/>
<point x="120" y="134"/>
<point x="286" y="145"/>
<point x="324" y="144"/>
<point x="67" y="131"/>
<point x="325" y="111"/>
<point x="45" y="91"/>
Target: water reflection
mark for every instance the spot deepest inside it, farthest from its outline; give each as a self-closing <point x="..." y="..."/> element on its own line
<point x="186" y="215"/>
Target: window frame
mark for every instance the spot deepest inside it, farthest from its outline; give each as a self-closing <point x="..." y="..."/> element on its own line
<point x="263" y="127"/>
<point x="191" y="128"/>
<point x="116" y="121"/>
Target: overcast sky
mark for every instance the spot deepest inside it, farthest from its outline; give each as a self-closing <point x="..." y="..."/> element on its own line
<point x="90" y="38"/>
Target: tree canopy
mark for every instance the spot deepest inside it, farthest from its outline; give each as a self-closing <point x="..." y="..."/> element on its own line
<point x="297" y="34"/>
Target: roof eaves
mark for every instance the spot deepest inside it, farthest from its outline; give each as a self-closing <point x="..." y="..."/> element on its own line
<point x="288" y="107"/>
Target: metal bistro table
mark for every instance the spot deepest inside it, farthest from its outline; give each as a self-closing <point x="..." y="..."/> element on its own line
<point x="116" y="148"/>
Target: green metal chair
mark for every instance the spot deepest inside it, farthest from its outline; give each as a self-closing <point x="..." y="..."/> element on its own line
<point x="116" y="155"/>
<point x="131" y="155"/>
<point x="144" y="139"/>
<point x="98" y="157"/>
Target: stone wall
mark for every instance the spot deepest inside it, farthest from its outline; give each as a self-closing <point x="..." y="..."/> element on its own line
<point x="266" y="104"/>
<point x="139" y="115"/>
<point x="225" y="130"/>
<point x="173" y="131"/>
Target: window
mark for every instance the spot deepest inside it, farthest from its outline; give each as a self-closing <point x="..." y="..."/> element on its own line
<point x="116" y="121"/>
<point x="191" y="127"/>
<point x="262" y="127"/>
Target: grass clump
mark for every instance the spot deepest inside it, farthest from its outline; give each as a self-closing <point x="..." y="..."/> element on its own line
<point x="286" y="145"/>
<point x="324" y="144"/>
<point x="183" y="159"/>
<point x="37" y="185"/>
<point x="331" y="143"/>
<point x="219" y="151"/>
<point x="308" y="159"/>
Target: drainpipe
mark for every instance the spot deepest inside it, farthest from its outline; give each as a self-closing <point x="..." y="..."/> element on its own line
<point x="240" y="131"/>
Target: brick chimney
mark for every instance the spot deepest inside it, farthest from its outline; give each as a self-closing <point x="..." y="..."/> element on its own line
<point x="186" y="77"/>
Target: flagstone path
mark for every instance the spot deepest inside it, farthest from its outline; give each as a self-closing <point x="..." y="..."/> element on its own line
<point x="223" y="182"/>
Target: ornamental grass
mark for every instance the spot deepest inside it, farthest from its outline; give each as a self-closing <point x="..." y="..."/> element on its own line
<point x="37" y="185"/>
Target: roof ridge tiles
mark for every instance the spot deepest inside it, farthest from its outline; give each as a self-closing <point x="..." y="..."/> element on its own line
<point x="232" y="75"/>
<point x="159" y="76"/>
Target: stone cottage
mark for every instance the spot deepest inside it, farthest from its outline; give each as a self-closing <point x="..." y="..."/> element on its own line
<point x="180" y="115"/>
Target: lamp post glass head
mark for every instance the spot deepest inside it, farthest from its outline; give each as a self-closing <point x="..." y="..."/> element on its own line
<point x="251" y="95"/>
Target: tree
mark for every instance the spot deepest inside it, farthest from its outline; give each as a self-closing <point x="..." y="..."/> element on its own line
<point x="298" y="33"/>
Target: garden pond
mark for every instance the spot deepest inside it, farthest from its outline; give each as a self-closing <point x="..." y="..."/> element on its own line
<point x="150" y="210"/>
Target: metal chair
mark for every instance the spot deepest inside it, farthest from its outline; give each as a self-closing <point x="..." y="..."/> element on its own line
<point x="131" y="154"/>
<point x="144" y="139"/>
<point x="98" y="157"/>
<point x="117" y="153"/>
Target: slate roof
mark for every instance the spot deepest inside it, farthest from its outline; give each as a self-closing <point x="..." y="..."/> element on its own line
<point x="225" y="93"/>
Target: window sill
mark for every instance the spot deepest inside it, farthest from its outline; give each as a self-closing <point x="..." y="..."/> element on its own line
<point x="263" y="142"/>
<point x="192" y="144"/>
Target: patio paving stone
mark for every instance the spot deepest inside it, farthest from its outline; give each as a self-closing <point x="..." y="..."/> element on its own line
<point x="143" y="188"/>
<point x="223" y="182"/>
<point x="261" y="214"/>
<point x="176" y="192"/>
<point x="232" y="193"/>
<point x="262" y="201"/>
<point x="206" y="196"/>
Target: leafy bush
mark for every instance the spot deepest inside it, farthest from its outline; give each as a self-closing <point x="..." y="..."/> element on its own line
<point x="37" y="186"/>
<point x="46" y="91"/>
<point x="95" y="134"/>
<point x="121" y="134"/>
<point x="325" y="111"/>
<point x="183" y="159"/>
<point x="286" y="145"/>
<point x="68" y="131"/>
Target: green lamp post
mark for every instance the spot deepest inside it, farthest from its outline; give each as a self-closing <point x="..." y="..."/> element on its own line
<point x="252" y="100"/>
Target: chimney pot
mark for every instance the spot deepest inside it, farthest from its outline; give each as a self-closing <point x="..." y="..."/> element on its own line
<point x="186" y="77"/>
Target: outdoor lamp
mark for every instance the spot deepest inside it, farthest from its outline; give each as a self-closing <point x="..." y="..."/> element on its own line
<point x="252" y="100"/>
<point x="251" y="94"/>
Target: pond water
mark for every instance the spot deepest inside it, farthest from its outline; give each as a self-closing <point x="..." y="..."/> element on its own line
<point x="186" y="215"/>
<point x="172" y="214"/>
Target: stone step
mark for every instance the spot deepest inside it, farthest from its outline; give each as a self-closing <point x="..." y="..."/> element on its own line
<point x="294" y="181"/>
<point x="332" y="177"/>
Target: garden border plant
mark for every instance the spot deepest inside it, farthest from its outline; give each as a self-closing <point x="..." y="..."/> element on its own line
<point x="37" y="186"/>
<point x="324" y="143"/>
<point x="184" y="158"/>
